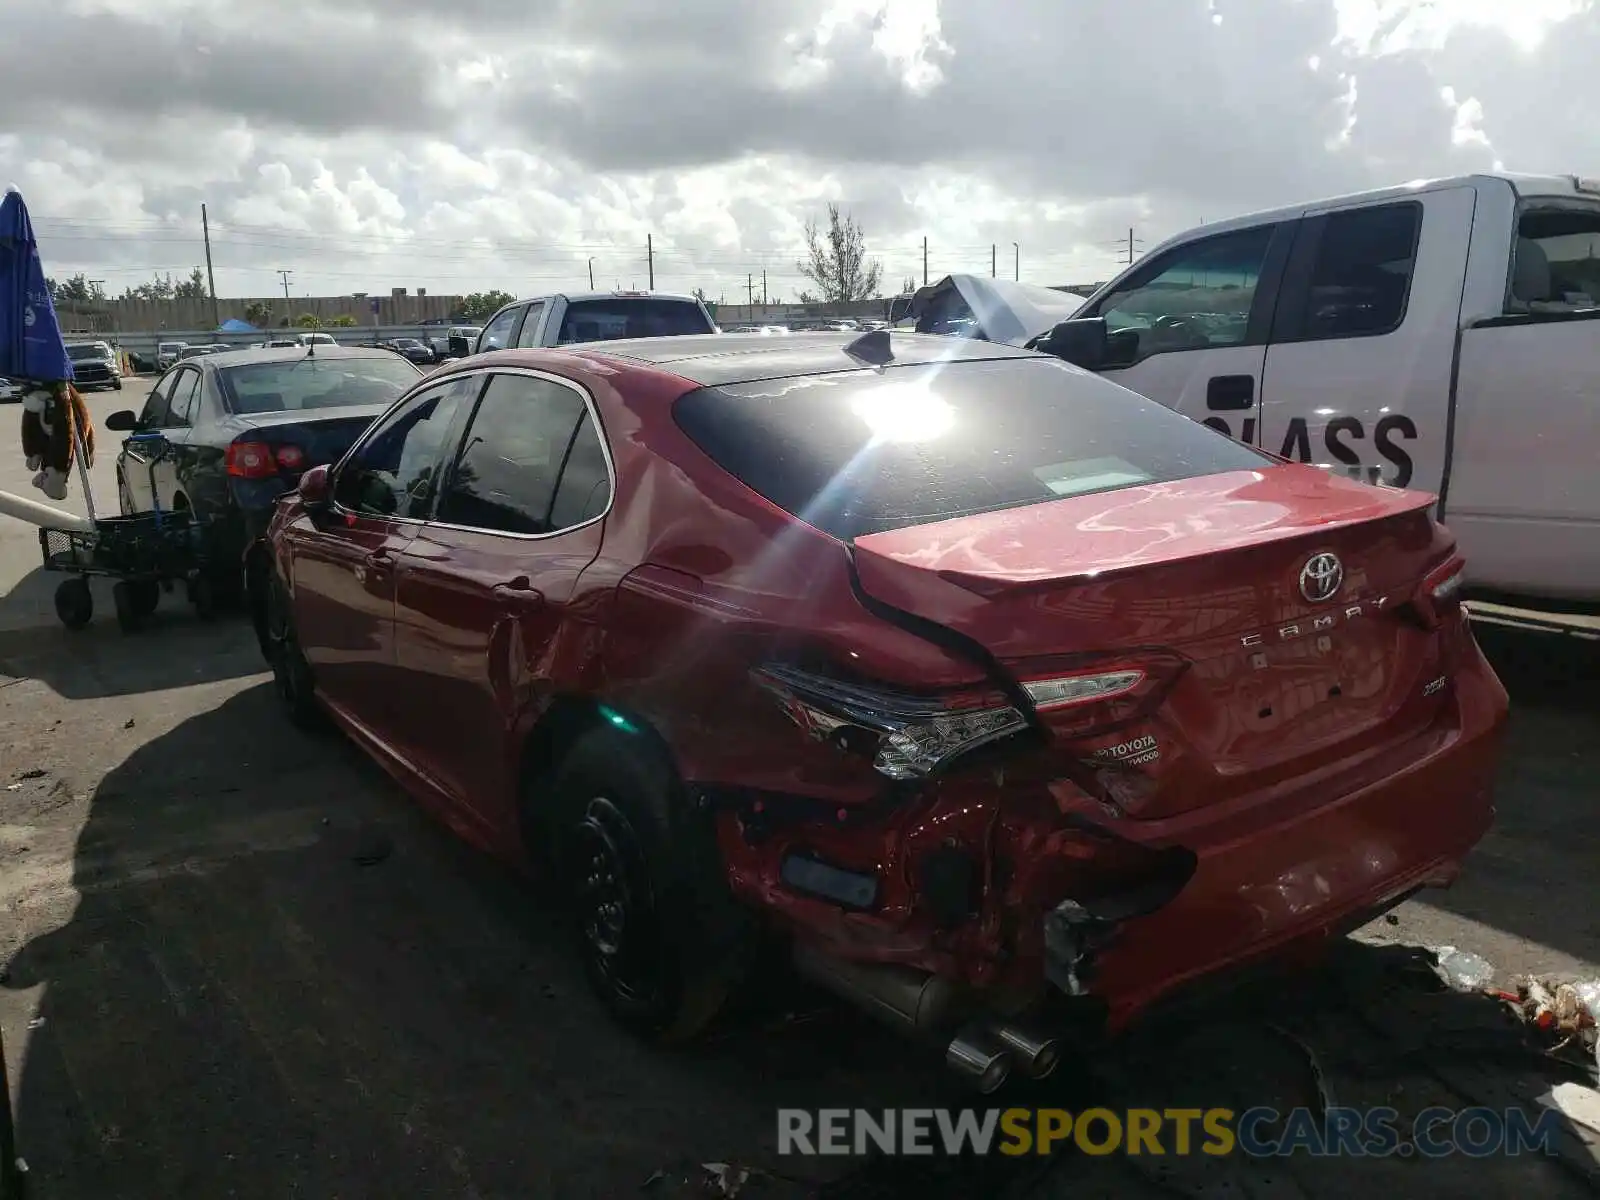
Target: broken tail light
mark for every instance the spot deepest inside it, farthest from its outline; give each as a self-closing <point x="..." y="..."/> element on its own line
<point x="1440" y="593"/>
<point x="1083" y="696"/>
<point x="909" y="736"/>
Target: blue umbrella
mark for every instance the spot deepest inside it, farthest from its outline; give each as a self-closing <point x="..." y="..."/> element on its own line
<point x="30" y="336"/>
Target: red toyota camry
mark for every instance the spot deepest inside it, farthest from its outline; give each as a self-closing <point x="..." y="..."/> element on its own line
<point x="989" y="686"/>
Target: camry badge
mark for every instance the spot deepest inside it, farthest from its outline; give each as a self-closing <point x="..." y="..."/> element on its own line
<point x="1321" y="577"/>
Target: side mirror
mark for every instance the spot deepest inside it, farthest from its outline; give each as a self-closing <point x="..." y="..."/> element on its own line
<point x="315" y="495"/>
<point x="1084" y="342"/>
<point x="124" y="420"/>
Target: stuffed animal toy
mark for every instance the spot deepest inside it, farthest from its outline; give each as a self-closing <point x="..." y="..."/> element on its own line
<point x="50" y="413"/>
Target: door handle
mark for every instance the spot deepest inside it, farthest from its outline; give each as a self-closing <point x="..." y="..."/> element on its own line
<point x="519" y="591"/>
<point x="1225" y="393"/>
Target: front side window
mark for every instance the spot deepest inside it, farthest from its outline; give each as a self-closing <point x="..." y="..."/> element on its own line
<point x="1193" y="298"/>
<point x="1556" y="263"/>
<point x="154" y="413"/>
<point x="184" y="393"/>
<point x="531" y="461"/>
<point x="393" y="472"/>
<point x="497" y="333"/>
<point x="1362" y="274"/>
<point x="861" y="452"/>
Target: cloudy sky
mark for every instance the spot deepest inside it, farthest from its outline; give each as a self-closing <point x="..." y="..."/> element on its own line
<point x="459" y="145"/>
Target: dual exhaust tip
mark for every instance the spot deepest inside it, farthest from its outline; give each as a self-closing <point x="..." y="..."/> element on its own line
<point x="984" y="1052"/>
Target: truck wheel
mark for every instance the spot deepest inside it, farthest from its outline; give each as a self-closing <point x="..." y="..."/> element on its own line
<point x="75" y="602"/>
<point x="651" y="911"/>
<point x="116" y="385"/>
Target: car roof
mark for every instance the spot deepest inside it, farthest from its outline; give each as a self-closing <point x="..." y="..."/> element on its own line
<point x="230" y="358"/>
<point x="711" y="359"/>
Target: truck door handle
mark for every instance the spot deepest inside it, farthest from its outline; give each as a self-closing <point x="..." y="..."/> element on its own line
<point x="1226" y="393"/>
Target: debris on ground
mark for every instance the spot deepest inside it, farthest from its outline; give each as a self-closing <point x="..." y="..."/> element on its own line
<point x="1567" y="1013"/>
<point x="33" y="773"/>
<point x="1462" y="970"/>
<point x="717" y="1181"/>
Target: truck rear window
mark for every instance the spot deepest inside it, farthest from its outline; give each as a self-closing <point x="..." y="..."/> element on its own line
<point x="630" y="317"/>
<point x="861" y="452"/>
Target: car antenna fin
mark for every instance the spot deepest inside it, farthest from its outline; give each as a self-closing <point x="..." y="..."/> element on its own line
<point x="873" y="347"/>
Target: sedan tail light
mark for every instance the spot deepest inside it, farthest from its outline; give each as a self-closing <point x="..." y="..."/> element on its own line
<point x="1440" y="593"/>
<point x="262" y="460"/>
<point x="909" y="737"/>
<point x="1085" y="695"/>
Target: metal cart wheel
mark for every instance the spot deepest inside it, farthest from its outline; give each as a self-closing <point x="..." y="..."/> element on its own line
<point x="75" y="602"/>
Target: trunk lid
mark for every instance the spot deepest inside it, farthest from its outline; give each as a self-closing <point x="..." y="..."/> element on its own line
<point x="1252" y="679"/>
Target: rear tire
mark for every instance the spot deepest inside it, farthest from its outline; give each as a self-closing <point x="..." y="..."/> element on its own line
<point x="660" y="936"/>
<point x="75" y="603"/>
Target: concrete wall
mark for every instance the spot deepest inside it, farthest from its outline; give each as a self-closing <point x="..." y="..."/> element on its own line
<point x="146" y="315"/>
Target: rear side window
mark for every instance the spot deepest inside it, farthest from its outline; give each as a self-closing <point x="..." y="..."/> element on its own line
<point x="861" y="452"/>
<point x="1556" y="262"/>
<point x="1363" y="271"/>
<point x="531" y="461"/>
<point x="630" y="317"/>
<point x="298" y="384"/>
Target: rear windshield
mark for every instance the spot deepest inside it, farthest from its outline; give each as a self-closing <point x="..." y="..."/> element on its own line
<point x="304" y="383"/>
<point x="603" y="320"/>
<point x="861" y="452"/>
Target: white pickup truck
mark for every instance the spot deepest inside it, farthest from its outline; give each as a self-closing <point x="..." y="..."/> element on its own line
<point x="1444" y="335"/>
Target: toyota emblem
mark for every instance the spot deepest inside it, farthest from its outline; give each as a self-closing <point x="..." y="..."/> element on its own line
<point x="1321" y="577"/>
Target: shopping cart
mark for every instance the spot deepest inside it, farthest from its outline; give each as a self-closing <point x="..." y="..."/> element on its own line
<point x="146" y="553"/>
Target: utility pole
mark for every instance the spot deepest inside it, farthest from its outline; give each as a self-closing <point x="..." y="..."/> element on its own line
<point x="1016" y="267"/>
<point x="763" y="289"/>
<point x="991" y="260"/>
<point x="591" y="274"/>
<point x="924" y="262"/>
<point x="1130" y="244"/>
<point x="750" y="290"/>
<point x="650" y="257"/>
<point x="285" y="275"/>
<point x="211" y="280"/>
<point x="94" y="318"/>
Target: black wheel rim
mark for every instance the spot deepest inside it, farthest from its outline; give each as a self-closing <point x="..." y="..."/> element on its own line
<point x="615" y="908"/>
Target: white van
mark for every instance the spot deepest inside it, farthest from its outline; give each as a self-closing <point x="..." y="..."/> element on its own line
<point x="1443" y="335"/>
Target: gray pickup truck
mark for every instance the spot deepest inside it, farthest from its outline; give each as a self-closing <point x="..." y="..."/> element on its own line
<point x="563" y="319"/>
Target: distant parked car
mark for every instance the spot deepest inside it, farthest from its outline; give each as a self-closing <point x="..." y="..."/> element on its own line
<point x="168" y="353"/>
<point x="10" y="393"/>
<point x="413" y="349"/>
<point x="244" y="425"/>
<point x="94" y="365"/>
